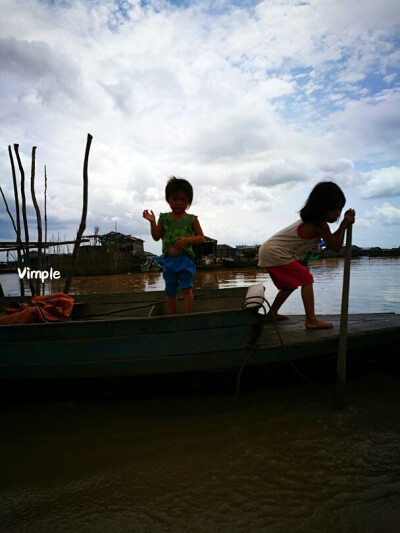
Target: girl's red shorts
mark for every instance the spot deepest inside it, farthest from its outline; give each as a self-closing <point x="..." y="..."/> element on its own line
<point x="290" y="276"/>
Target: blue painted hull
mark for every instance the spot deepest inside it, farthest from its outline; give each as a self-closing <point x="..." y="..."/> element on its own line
<point x="124" y="346"/>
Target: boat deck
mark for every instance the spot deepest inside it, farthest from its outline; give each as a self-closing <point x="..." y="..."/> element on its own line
<point x="364" y="331"/>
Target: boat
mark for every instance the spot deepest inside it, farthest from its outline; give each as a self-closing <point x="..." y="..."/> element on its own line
<point x="210" y="266"/>
<point x="152" y="264"/>
<point x="240" y="262"/>
<point x="112" y="335"/>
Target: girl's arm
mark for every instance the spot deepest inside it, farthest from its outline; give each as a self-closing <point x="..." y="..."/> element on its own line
<point x="156" y="229"/>
<point x="334" y="241"/>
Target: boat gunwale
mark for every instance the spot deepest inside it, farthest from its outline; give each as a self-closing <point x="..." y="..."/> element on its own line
<point x="122" y="319"/>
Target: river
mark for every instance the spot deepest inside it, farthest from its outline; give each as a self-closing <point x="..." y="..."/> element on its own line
<point x="374" y="285"/>
<point x="185" y="459"/>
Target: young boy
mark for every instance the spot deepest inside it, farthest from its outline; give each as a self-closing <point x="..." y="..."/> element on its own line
<point x="178" y="231"/>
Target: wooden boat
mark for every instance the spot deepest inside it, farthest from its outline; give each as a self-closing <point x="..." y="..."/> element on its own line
<point x="240" y="262"/>
<point x="151" y="265"/>
<point x="113" y="335"/>
<point x="131" y="334"/>
<point x="211" y="266"/>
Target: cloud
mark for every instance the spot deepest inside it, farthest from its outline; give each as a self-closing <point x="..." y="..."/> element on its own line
<point x="280" y="173"/>
<point x="337" y="167"/>
<point x="381" y="183"/>
<point x="253" y="102"/>
<point x="37" y="76"/>
<point x="370" y="125"/>
<point x="385" y="215"/>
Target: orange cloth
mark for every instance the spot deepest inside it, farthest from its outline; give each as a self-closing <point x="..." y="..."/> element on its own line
<point x="48" y="308"/>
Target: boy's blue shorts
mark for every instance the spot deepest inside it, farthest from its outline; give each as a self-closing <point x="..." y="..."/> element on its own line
<point x="178" y="273"/>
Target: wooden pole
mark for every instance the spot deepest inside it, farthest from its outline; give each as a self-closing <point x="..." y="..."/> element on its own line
<point x="45" y="215"/>
<point x="8" y="209"/>
<point x="10" y="246"/>
<point x="15" y="229"/>
<point x="82" y="225"/>
<point x="24" y="216"/>
<point x="38" y="219"/>
<point x="18" y="220"/>
<point x="341" y="360"/>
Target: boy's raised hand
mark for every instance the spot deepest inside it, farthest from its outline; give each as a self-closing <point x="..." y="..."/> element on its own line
<point x="149" y="215"/>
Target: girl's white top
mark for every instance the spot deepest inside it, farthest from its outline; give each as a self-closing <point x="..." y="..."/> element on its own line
<point x="285" y="246"/>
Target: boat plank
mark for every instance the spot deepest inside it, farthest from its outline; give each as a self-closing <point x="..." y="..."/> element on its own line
<point x="364" y="331"/>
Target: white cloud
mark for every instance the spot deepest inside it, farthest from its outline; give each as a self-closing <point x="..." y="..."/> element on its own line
<point x="381" y="183"/>
<point x="385" y="215"/>
<point x="337" y="166"/>
<point x="252" y="102"/>
<point x="47" y="74"/>
<point x="281" y="172"/>
<point x="369" y="125"/>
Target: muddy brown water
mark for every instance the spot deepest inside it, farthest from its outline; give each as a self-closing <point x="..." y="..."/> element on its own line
<point x="180" y="457"/>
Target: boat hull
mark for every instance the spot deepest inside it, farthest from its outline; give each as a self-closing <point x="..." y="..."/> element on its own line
<point x="116" y="335"/>
<point x="114" y="346"/>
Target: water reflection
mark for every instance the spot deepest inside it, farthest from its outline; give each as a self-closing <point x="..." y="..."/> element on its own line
<point x="374" y="284"/>
<point x="279" y="459"/>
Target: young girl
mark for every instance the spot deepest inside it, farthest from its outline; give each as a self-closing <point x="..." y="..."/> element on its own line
<point x="281" y="253"/>
<point x="178" y="231"/>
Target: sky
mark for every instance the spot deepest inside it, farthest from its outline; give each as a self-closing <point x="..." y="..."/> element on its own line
<point x="253" y="102"/>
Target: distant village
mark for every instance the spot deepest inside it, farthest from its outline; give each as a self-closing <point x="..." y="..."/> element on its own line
<point x="117" y="253"/>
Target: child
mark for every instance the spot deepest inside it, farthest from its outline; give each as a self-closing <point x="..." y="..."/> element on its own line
<point x="280" y="254"/>
<point x="178" y="231"/>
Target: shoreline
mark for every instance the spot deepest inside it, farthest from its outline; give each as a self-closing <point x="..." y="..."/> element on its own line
<point x="12" y="268"/>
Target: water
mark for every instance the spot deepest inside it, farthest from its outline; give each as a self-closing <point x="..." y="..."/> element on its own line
<point x="279" y="460"/>
<point x="182" y="458"/>
<point x="374" y="285"/>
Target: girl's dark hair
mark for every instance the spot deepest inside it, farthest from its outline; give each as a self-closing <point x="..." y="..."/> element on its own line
<point x="325" y="197"/>
<point x="175" y="185"/>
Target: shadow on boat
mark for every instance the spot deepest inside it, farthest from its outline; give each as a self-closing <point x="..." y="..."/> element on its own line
<point x="315" y="372"/>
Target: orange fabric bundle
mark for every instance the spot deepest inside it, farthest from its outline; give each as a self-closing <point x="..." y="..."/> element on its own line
<point x="48" y="308"/>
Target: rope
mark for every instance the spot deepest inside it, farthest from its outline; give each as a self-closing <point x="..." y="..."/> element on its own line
<point x="253" y="348"/>
<point x="121" y="310"/>
<point x="257" y="300"/>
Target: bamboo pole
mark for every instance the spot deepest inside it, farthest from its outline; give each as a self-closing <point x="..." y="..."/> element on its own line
<point x="13" y="223"/>
<point x="45" y="213"/>
<point x="82" y="225"/>
<point x="8" y="209"/>
<point x="24" y="216"/>
<point x="18" y="220"/>
<point x="10" y="246"/>
<point x="15" y="229"/>
<point x="342" y="351"/>
<point x="38" y="219"/>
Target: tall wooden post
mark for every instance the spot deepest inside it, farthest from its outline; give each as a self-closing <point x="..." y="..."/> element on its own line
<point x="17" y="220"/>
<point x="24" y="216"/>
<point x="82" y="225"/>
<point x="38" y="219"/>
<point x="342" y="352"/>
